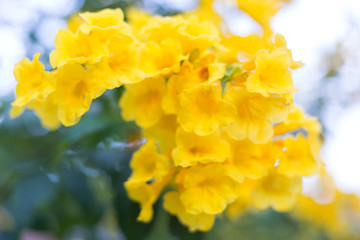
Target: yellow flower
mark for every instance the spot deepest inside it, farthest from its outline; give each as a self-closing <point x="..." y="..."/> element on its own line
<point x="76" y="47"/>
<point x="160" y="59"/>
<point x="187" y="78"/>
<point x="200" y="35"/>
<point x="243" y="201"/>
<point x="201" y="221"/>
<point x="298" y="120"/>
<point x="205" y="12"/>
<point x="203" y="111"/>
<point x="106" y="18"/>
<point x="337" y="217"/>
<point x="148" y="164"/>
<point x="122" y="65"/>
<point x="280" y="42"/>
<point x="207" y="66"/>
<point x="142" y="102"/>
<point x="33" y="81"/>
<point x="159" y="29"/>
<point x="256" y="114"/>
<point x="277" y="191"/>
<point x="251" y="160"/>
<point x="74" y="22"/>
<point x="207" y="189"/>
<point x="214" y="71"/>
<point x="137" y="19"/>
<point x="75" y="89"/>
<point x="246" y="47"/>
<point x="190" y="33"/>
<point x="105" y="24"/>
<point x="215" y="109"/>
<point x="272" y="75"/>
<point x="16" y="111"/>
<point x="261" y="10"/>
<point x="297" y="159"/>
<point x="163" y="132"/>
<point x="47" y="110"/>
<point x="146" y="195"/>
<point x="192" y="149"/>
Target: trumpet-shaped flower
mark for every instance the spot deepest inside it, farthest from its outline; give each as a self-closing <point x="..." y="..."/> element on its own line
<point x="201" y="221"/>
<point x="205" y="12"/>
<point x="335" y="216"/>
<point x="192" y="149"/>
<point x="148" y="164"/>
<point x="280" y="43"/>
<point x="277" y="191"/>
<point x="74" y="22"/>
<point x="297" y="159"/>
<point x="272" y="75"/>
<point x="256" y="114"/>
<point x="198" y="35"/>
<point x="47" y="110"/>
<point x="246" y="47"/>
<point x="191" y="33"/>
<point x="137" y="19"/>
<point x="16" y="111"/>
<point x="160" y="59"/>
<point x="207" y="189"/>
<point x="188" y="77"/>
<point x="76" y="47"/>
<point x="297" y="120"/>
<point x="142" y="101"/>
<point x="159" y="29"/>
<point x="146" y="195"/>
<point x="33" y="81"/>
<point x="75" y="89"/>
<point x="243" y="201"/>
<point x="261" y="10"/>
<point x="122" y="66"/>
<point x="203" y="111"/>
<point x="163" y="132"/>
<point x="103" y="19"/>
<point x="105" y="24"/>
<point x="251" y="160"/>
<point x="185" y="79"/>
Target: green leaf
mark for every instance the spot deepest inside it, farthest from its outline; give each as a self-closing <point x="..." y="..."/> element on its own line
<point x="29" y="196"/>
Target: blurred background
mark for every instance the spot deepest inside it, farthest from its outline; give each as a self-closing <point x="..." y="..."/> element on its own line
<point x="68" y="184"/>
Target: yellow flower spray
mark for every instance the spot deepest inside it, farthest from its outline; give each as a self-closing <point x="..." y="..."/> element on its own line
<point x="221" y="134"/>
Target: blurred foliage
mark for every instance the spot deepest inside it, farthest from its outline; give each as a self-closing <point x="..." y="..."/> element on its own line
<point x="55" y="180"/>
<point x="69" y="183"/>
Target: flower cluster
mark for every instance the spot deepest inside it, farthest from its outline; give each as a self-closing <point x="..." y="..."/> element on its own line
<point x="222" y="135"/>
